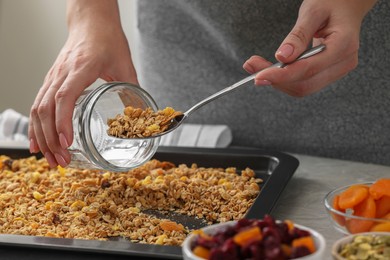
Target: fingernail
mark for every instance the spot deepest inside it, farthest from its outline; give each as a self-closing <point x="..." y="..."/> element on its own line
<point x="285" y="51"/>
<point x="263" y="82"/>
<point x="33" y="146"/>
<point x="60" y="160"/>
<point x="248" y="67"/>
<point x="64" y="143"/>
<point x="50" y="159"/>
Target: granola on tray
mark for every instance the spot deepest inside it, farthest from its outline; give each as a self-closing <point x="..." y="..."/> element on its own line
<point x="90" y="204"/>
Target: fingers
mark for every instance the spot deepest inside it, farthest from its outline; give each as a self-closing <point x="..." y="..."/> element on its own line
<point x="318" y="81"/>
<point x="255" y="64"/>
<point x="315" y="80"/>
<point x="65" y="99"/>
<point x="42" y="129"/>
<point x="300" y="37"/>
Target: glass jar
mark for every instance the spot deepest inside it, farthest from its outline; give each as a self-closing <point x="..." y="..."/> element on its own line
<point x="92" y="147"/>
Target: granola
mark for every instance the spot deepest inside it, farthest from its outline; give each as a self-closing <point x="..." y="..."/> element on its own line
<point x="138" y="123"/>
<point x="91" y="204"/>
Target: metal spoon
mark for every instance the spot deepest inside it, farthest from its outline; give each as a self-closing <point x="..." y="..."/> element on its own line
<point x="178" y="120"/>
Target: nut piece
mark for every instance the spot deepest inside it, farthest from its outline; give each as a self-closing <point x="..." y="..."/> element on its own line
<point x="138" y="123"/>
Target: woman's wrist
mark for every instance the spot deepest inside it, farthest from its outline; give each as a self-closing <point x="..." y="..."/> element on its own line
<point x="92" y="16"/>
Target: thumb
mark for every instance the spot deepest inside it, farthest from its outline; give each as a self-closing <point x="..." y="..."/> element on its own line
<point x="300" y="37"/>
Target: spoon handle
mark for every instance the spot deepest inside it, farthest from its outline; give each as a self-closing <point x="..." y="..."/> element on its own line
<point x="242" y="82"/>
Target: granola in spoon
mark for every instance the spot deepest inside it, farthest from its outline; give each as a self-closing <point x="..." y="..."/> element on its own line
<point x="139" y="123"/>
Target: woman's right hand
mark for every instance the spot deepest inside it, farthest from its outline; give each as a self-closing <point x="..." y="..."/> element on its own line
<point x="96" y="48"/>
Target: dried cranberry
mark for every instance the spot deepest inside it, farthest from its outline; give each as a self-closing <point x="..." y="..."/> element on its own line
<point x="275" y="253"/>
<point x="56" y="219"/>
<point x="230" y="247"/>
<point x="252" y="250"/>
<point x="271" y="242"/>
<point x="8" y="163"/>
<point x="242" y="223"/>
<point x="228" y="251"/>
<point x="270" y="221"/>
<point x="206" y="242"/>
<point x="284" y="233"/>
<point x="222" y="236"/>
<point x="272" y="232"/>
<point x="297" y="233"/>
<point x="261" y="224"/>
<point x="105" y="184"/>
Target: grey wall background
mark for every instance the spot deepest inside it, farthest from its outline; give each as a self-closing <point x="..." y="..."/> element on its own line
<point x="31" y="35"/>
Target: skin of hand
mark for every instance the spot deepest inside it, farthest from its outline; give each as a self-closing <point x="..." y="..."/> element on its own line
<point x="335" y="23"/>
<point x="96" y="48"/>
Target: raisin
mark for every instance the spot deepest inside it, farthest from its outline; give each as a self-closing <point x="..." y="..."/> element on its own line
<point x="105" y="184"/>
<point x="8" y="163"/>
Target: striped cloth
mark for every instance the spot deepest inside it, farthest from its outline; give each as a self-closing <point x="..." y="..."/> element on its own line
<point x="195" y="135"/>
<point x="14" y="126"/>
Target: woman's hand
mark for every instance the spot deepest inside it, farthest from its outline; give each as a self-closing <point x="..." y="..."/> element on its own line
<point x="96" y="48"/>
<point x="335" y="23"/>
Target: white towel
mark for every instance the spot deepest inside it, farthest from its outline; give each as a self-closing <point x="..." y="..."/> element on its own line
<point x="196" y="135"/>
<point x="14" y="127"/>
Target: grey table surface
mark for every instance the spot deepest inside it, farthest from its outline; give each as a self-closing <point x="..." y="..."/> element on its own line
<point x="302" y="199"/>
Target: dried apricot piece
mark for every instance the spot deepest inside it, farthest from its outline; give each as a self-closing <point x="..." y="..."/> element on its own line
<point x="286" y="249"/>
<point x="339" y="219"/>
<point x="380" y="188"/>
<point x="307" y="242"/>
<point x="201" y="251"/>
<point x="352" y="196"/>
<point x="171" y="226"/>
<point x="248" y="235"/>
<point x="381" y="227"/>
<point x="290" y="224"/>
<point x="382" y="206"/>
<point x="367" y="209"/>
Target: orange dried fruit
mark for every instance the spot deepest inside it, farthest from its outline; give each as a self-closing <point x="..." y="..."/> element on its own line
<point x="353" y="196"/>
<point x="286" y="249"/>
<point x="387" y="216"/>
<point x="382" y="206"/>
<point x="171" y="226"/>
<point x="290" y="224"/>
<point x="248" y="235"/>
<point x="201" y="251"/>
<point x="381" y="227"/>
<point x="380" y="188"/>
<point x="307" y="242"/>
<point x="339" y="219"/>
<point x="367" y="209"/>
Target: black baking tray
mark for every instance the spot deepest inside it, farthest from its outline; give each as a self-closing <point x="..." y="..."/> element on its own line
<point x="275" y="168"/>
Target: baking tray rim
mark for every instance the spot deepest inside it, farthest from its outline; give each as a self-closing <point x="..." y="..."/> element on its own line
<point x="281" y="174"/>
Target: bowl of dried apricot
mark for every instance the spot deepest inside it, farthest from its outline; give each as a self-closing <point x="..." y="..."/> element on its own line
<point x="360" y="207"/>
<point x="254" y="239"/>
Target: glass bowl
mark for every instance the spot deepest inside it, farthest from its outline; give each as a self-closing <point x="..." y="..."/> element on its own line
<point x="188" y="243"/>
<point x="346" y="222"/>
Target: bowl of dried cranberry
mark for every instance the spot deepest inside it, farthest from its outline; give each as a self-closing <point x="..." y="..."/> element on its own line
<point x="264" y="238"/>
